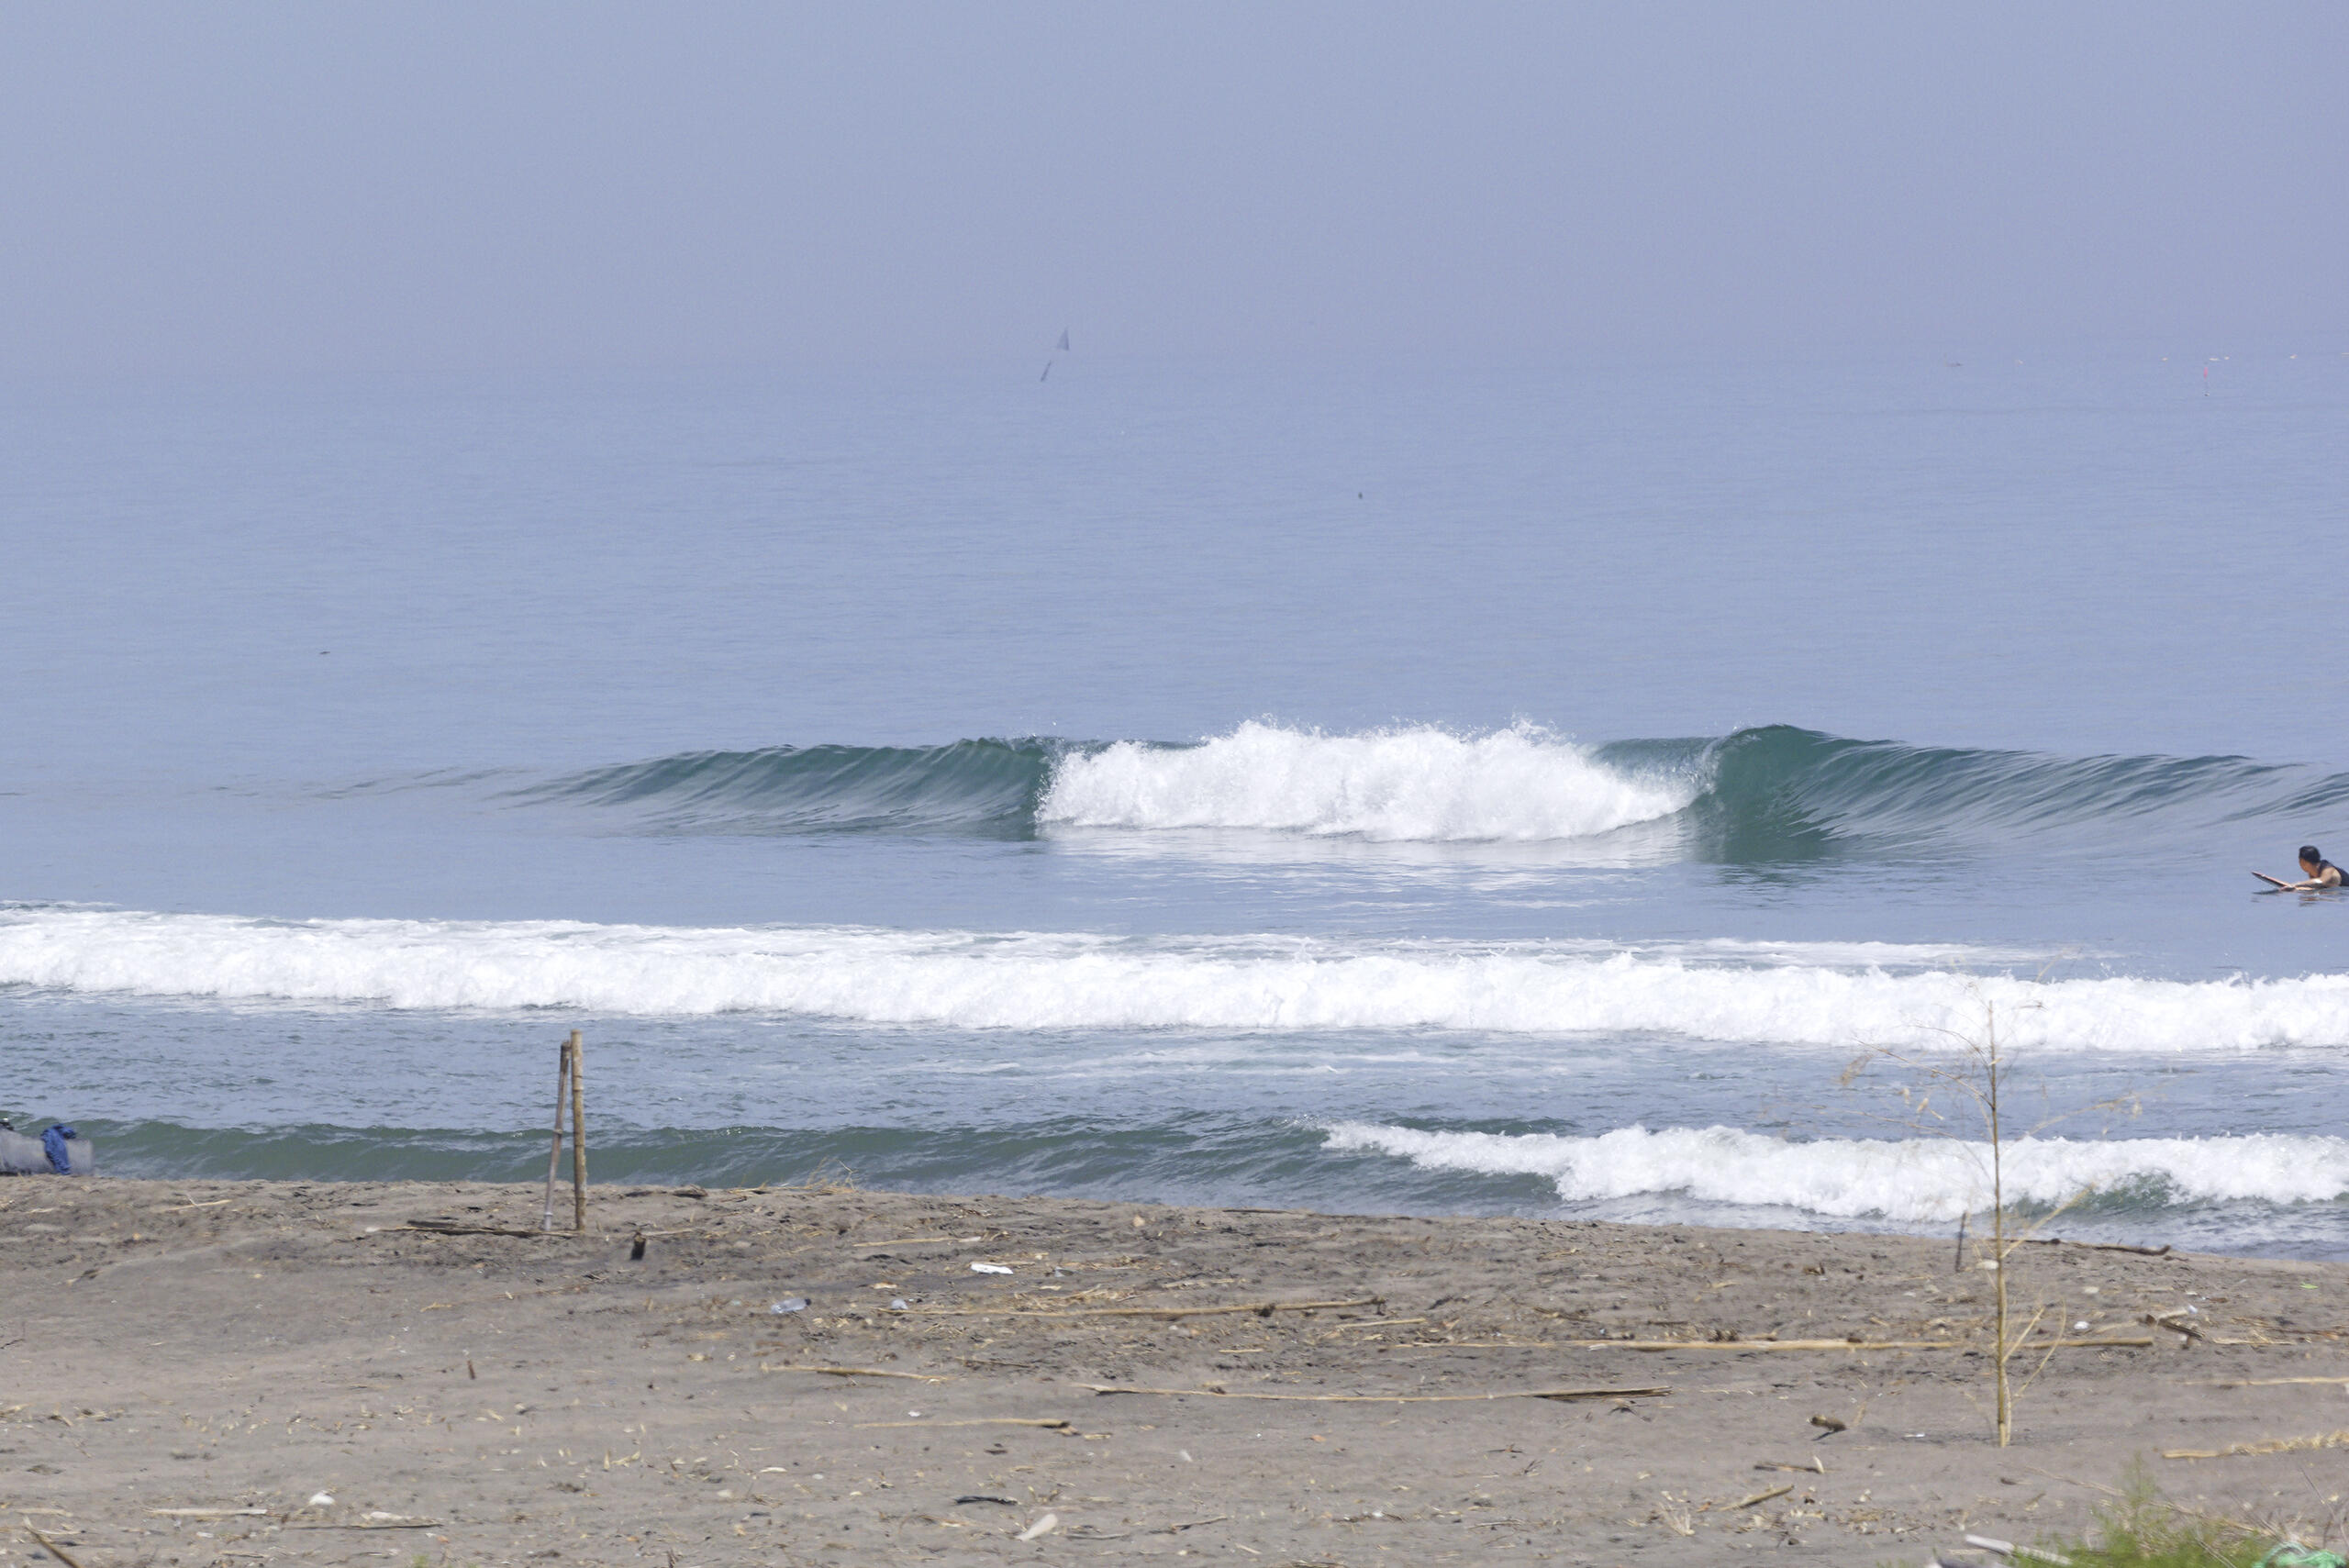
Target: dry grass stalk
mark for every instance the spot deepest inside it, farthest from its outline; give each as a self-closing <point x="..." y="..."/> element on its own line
<point x="1260" y="1308"/>
<point x="2266" y="1445"/>
<point x="1390" y="1398"/>
<point x="852" y="1372"/>
<point x="54" y="1550"/>
<point x="1977" y="1077"/>
<point x="1054" y="1422"/>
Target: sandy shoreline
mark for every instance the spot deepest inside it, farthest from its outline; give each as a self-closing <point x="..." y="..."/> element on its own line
<point x="482" y="1397"/>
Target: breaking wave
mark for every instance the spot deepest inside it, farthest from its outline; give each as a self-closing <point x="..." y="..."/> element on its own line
<point x="1412" y="784"/>
<point x="1921" y="1180"/>
<point x="1760" y="795"/>
<point x="1791" y="995"/>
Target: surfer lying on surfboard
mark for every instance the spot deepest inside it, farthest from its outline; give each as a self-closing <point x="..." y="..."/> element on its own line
<point x="2321" y="874"/>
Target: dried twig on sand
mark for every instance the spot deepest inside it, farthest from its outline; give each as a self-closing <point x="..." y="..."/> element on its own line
<point x="1052" y="1422"/>
<point x="850" y="1371"/>
<point x="2123" y="1342"/>
<point x="2266" y="1445"/>
<point x="54" y="1550"/>
<point x="1260" y="1308"/>
<point x="1391" y="1398"/>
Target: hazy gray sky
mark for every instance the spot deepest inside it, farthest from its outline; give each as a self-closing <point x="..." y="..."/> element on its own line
<point x="253" y="187"/>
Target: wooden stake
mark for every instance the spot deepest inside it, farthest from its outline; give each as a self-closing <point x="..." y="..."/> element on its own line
<point x="578" y="1135"/>
<point x="554" y="1155"/>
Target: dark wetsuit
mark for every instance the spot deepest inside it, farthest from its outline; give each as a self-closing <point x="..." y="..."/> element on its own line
<point x="2340" y="877"/>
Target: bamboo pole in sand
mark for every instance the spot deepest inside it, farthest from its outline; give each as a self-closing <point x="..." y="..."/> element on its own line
<point x="578" y="1134"/>
<point x="554" y="1154"/>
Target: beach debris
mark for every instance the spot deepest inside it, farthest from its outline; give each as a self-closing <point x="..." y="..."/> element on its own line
<point x="1829" y="1425"/>
<point x="1816" y="1465"/>
<point x="2026" y="1554"/>
<point x="1054" y="1423"/>
<point x="789" y="1304"/>
<point x="2106" y="1342"/>
<point x="2160" y="1251"/>
<point x="983" y="1497"/>
<point x="850" y="1371"/>
<point x="455" y="1227"/>
<point x="1390" y="1398"/>
<point x="1045" y="1525"/>
<point x="1260" y="1308"/>
<point x="2266" y="1445"/>
<point x="990" y="1269"/>
<point x="897" y="1304"/>
<point x="321" y="1500"/>
<point x="207" y="1513"/>
<point x="635" y="1248"/>
<point x="1744" y="1504"/>
<point x="59" y="1552"/>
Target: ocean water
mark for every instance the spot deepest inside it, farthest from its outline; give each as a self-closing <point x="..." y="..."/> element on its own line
<point x="1432" y="790"/>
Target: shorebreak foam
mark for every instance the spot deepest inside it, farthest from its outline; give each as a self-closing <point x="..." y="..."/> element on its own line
<point x="1788" y="994"/>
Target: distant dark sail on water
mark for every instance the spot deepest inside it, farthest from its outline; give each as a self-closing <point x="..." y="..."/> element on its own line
<point x="1062" y="348"/>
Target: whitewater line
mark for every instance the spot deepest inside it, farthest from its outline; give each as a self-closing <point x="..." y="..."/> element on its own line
<point x="1914" y="1180"/>
<point x="1034" y="981"/>
<point x="1422" y="785"/>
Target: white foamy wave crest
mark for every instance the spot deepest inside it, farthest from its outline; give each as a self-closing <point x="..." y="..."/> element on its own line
<point x="1514" y="785"/>
<point x="1926" y="1179"/>
<point x="972" y="980"/>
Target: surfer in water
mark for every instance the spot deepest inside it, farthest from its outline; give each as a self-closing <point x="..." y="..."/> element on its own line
<point x="2322" y="874"/>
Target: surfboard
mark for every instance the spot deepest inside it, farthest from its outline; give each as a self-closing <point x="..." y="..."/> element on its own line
<point x="2275" y="882"/>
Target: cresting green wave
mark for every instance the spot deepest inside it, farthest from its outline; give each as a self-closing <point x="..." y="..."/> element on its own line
<point x="1763" y="795"/>
<point x="1776" y="792"/>
<point x="985" y="787"/>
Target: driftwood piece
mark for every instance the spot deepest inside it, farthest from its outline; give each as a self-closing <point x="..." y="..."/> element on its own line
<point x="2160" y="1251"/>
<point x="2266" y="1445"/>
<point x="54" y="1550"/>
<point x="207" y="1513"/>
<point x="2026" y="1554"/>
<point x="1390" y="1398"/>
<point x="1052" y="1421"/>
<point x="2121" y="1342"/>
<point x="1260" y="1308"/>
<point x="850" y="1371"/>
<point x="451" y="1227"/>
<point x="1760" y="1498"/>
